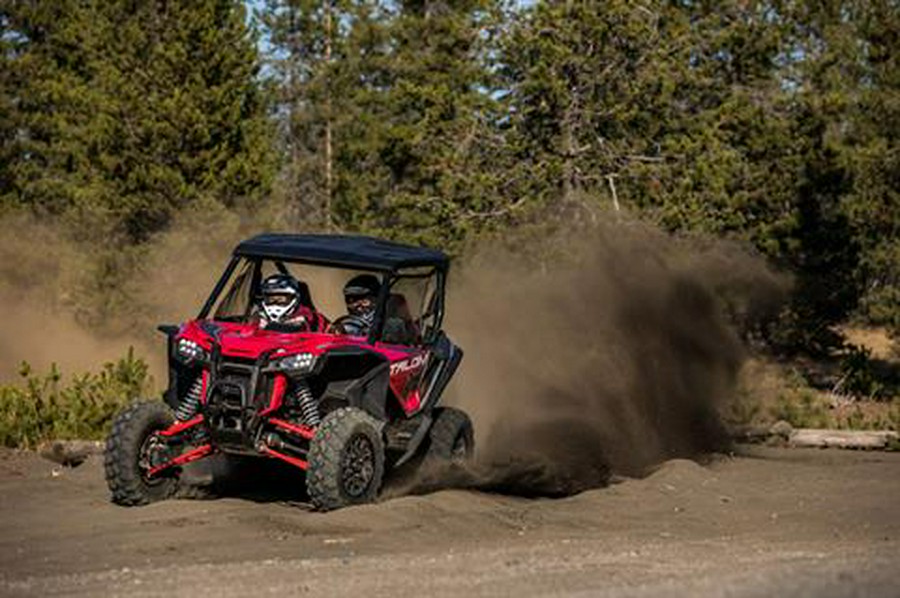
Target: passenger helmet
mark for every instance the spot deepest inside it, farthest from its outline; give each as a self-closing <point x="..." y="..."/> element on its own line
<point x="363" y="286"/>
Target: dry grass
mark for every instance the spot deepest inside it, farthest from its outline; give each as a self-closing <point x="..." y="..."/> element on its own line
<point x="819" y="394"/>
<point x="876" y="340"/>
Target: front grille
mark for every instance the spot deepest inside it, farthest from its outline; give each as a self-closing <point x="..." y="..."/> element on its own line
<point x="225" y="413"/>
<point x="237" y="366"/>
<point x="232" y="403"/>
<point x="241" y="370"/>
<point x="231" y="392"/>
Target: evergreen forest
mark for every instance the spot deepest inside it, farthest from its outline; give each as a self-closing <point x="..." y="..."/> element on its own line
<point x="773" y="123"/>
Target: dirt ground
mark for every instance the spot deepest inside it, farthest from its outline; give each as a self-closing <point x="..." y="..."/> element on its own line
<point x="760" y="523"/>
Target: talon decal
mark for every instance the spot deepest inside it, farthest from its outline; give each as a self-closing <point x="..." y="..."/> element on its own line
<point x="407" y="365"/>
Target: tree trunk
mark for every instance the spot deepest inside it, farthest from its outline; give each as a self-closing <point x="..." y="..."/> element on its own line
<point x="329" y="174"/>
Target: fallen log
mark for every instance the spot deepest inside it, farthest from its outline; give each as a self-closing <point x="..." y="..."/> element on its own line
<point x="781" y="433"/>
<point x="852" y="439"/>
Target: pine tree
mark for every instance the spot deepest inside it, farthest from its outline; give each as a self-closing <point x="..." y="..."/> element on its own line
<point x="305" y="40"/>
<point x="387" y="128"/>
<point x="872" y="156"/>
<point x="724" y="126"/>
<point x="668" y="109"/>
<point x="129" y="111"/>
<point x="437" y="180"/>
<point x="826" y="248"/>
<point x="579" y="76"/>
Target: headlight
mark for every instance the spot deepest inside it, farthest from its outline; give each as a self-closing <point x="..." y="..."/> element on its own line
<point x="188" y="350"/>
<point x="299" y="363"/>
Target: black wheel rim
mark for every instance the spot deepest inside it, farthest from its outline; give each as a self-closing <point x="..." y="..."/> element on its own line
<point x="358" y="466"/>
<point x="151" y="448"/>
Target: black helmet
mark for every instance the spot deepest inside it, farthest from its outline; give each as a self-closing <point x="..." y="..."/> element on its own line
<point x="361" y="286"/>
<point x="280" y="296"/>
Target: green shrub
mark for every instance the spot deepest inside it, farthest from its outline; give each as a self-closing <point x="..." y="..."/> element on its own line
<point x="860" y="379"/>
<point x="800" y="408"/>
<point x="42" y="408"/>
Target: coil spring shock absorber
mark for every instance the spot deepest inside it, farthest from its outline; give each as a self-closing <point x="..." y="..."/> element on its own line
<point x="191" y="402"/>
<point x="303" y="398"/>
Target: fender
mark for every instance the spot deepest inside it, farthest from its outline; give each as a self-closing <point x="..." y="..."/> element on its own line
<point x="447" y="357"/>
<point x="366" y="383"/>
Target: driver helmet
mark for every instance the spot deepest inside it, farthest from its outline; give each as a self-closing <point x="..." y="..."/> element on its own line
<point x="280" y="297"/>
<point x="360" y="295"/>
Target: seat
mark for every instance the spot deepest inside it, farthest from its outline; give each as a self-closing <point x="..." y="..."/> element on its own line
<point x="399" y="327"/>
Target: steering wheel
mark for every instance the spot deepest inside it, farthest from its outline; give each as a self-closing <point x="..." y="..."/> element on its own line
<point x="348" y="324"/>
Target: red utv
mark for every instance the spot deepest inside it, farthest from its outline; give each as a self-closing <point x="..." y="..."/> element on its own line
<point x="341" y="408"/>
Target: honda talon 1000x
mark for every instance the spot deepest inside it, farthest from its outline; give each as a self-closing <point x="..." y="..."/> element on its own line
<point x="262" y="372"/>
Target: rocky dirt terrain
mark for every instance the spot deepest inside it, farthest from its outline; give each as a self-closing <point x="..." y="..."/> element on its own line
<point x="762" y="522"/>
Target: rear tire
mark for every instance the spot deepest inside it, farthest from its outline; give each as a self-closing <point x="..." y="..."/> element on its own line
<point x="451" y="438"/>
<point x="125" y="457"/>
<point x="346" y="460"/>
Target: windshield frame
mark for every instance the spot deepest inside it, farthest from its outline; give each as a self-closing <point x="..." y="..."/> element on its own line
<point x="387" y="279"/>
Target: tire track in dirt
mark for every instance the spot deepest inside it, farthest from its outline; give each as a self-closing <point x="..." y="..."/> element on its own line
<point x="794" y="522"/>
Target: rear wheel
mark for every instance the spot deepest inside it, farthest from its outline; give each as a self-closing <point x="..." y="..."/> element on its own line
<point x="451" y="437"/>
<point x="346" y="460"/>
<point x="133" y="447"/>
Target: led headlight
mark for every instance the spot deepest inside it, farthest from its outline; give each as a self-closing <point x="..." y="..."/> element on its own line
<point x="298" y="363"/>
<point x="188" y="350"/>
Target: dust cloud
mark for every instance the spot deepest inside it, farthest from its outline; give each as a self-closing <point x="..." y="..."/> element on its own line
<point x="78" y="305"/>
<point x="40" y="275"/>
<point x="611" y="355"/>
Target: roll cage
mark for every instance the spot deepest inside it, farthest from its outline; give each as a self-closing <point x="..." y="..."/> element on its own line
<point x="391" y="262"/>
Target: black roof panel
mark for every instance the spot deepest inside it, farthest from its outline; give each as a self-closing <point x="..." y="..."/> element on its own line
<point x="344" y="251"/>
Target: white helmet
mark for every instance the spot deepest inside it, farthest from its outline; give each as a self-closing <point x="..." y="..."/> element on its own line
<point x="280" y="296"/>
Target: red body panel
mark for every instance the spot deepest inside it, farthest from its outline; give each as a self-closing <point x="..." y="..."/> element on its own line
<point x="277" y="397"/>
<point x="248" y="341"/>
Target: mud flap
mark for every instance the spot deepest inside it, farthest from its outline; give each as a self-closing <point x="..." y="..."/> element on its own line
<point x="416" y="439"/>
<point x="447" y="358"/>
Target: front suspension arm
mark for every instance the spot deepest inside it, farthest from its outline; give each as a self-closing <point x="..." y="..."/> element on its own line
<point x="191" y="455"/>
